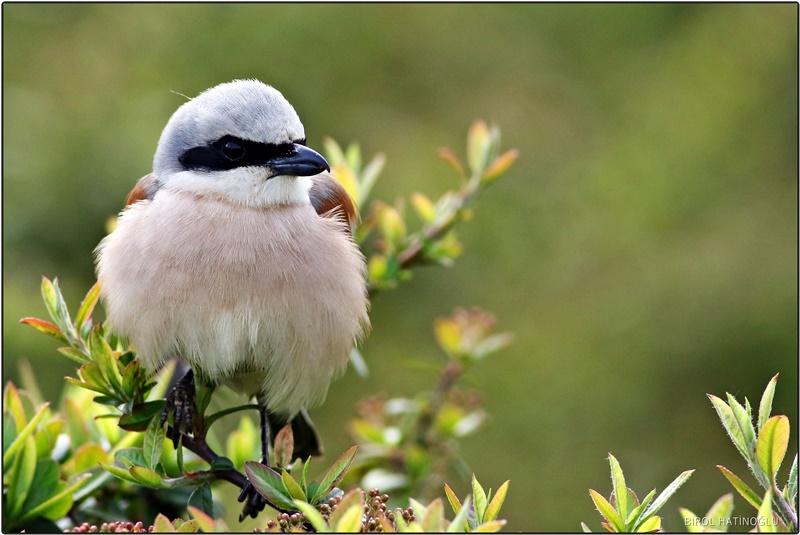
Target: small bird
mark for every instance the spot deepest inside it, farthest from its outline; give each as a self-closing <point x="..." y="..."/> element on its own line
<point x="236" y="256"/>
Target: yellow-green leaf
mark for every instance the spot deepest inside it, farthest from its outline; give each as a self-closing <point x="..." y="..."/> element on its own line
<point x="773" y="440"/>
<point x="618" y="483"/>
<point x="424" y="207"/>
<point x="493" y="509"/>
<point x="162" y="524"/>
<point x="766" y="521"/>
<point x="87" y="305"/>
<point x="479" y="499"/>
<point x="719" y="513"/>
<point x="345" y="176"/>
<point x="190" y="526"/>
<point x="350" y="520"/>
<point x="312" y="515"/>
<point x="453" y="499"/>
<point x="490" y="527"/>
<point x="21" y="476"/>
<point x="500" y="165"/>
<point x="607" y="510"/>
<point x="652" y="524"/>
<point x="478" y="143"/>
<point x="450" y="157"/>
<point x="691" y="521"/>
<point x="434" y="517"/>
<point x="292" y="487"/>
<point x="145" y="476"/>
<point x="448" y="335"/>
<point x="26" y="431"/>
<point x="741" y="487"/>
<point x="765" y="407"/>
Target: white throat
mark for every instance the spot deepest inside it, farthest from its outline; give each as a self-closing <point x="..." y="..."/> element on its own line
<point x="247" y="186"/>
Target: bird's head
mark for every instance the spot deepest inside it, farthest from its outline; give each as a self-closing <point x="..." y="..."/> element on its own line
<point x="241" y="142"/>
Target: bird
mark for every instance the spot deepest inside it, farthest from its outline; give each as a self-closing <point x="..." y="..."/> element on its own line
<point x="236" y="255"/>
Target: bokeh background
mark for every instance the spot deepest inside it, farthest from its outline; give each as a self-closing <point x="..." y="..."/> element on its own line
<point x="643" y="249"/>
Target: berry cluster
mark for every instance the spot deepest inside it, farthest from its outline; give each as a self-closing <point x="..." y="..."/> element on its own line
<point x="111" y="527"/>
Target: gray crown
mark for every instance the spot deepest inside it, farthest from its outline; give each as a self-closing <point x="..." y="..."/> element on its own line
<point x="247" y="109"/>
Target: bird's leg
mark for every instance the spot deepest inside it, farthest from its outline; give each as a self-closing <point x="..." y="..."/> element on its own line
<point x="180" y="400"/>
<point x="254" y="502"/>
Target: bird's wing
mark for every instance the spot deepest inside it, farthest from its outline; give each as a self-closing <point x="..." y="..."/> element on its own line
<point x="328" y="195"/>
<point x="144" y="190"/>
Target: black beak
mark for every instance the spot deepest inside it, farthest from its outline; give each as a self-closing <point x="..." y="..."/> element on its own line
<point x="301" y="161"/>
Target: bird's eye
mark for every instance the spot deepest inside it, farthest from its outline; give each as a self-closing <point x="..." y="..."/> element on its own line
<point x="233" y="150"/>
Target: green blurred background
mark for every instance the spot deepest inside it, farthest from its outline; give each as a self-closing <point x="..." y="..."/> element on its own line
<point x="643" y="249"/>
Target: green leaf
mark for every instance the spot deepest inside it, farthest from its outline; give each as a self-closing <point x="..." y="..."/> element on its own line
<point x="453" y="499"/>
<point x="666" y="494"/>
<point x="741" y="487"/>
<point x="730" y="424"/>
<point x="142" y="415"/>
<point x="618" y="483"/>
<point x="692" y="522"/>
<point x="75" y="354"/>
<point x="57" y="308"/>
<point x="121" y="473"/>
<point x="162" y="524"/>
<point x="153" y="442"/>
<point x="87" y="305"/>
<point x="221" y="464"/>
<point x="635" y="515"/>
<point x="607" y="510"/>
<point x="146" y="477"/>
<point x="350" y="520"/>
<point x="500" y="165"/>
<point x="773" y="440"/>
<point x="57" y="505"/>
<point x="311" y="514"/>
<point x="478" y="144"/>
<point x="24" y="434"/>
<point x="21" y="476"/>
<point x="496" y="503"/>
<point x="765" y="407"/>
<point x="478" y="499"/>
<point x="766" y="522"/>
<point x="719" y="513"/>
<point x="12" y="402"/>
<point x="104" y="357"/>
<point x="490" y="527"/>
<point x="369" y="175"/>
<point x="87" y="457"/>
<point x="791" y="486"/>
<point x="434" y="517"/>
<point x="204" y="521"/>
<point x="354" y="498"/>
<point x="652" y="524"/>
<point x="130" y="457"/>
<point x="268" y="484"/>
<point x="335" y="474"/>
<point x="745" y="423"/>
<point x="304" y="476"/>
<point x="201" y="499"/>
<point x="459" y="523"/>
<point x="190" y="526"/>
<point x="45" y="327"/>
<point x="291" y="486"/>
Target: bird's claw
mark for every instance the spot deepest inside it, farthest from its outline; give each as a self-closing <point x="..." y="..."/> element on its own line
<point x="254" y="502"/>
<point x="180" y="401"/>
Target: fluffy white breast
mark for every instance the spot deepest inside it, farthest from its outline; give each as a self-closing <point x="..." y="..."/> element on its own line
<point x="248" y="295"/>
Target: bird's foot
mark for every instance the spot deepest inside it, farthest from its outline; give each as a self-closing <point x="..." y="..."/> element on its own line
<point x="254" y="502"/>
<point x="180" y="401"/>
